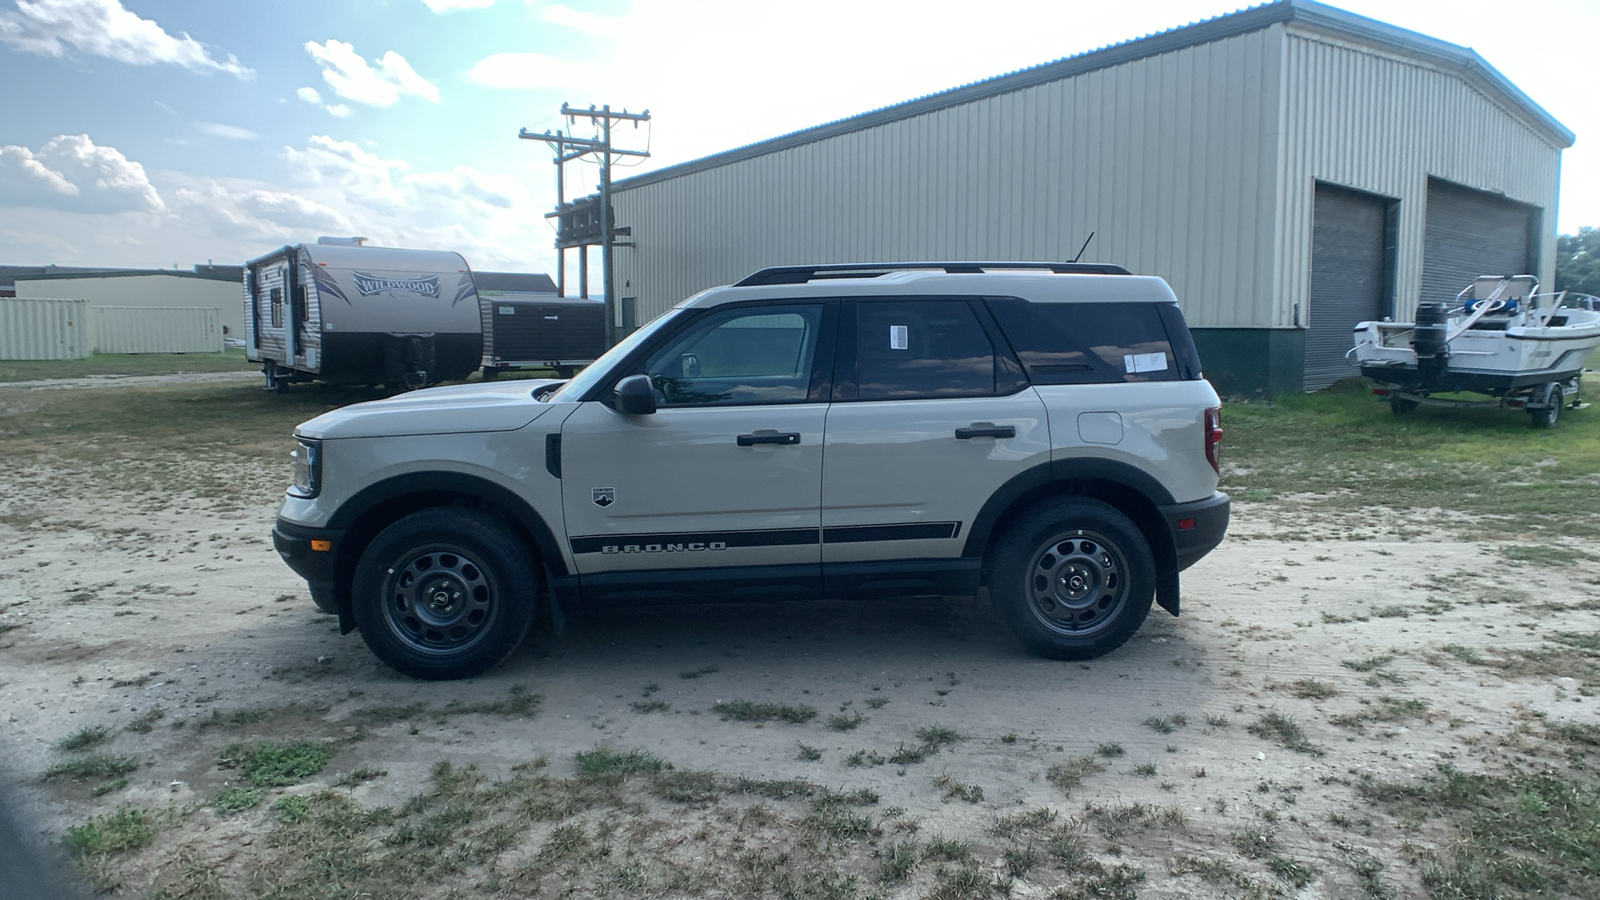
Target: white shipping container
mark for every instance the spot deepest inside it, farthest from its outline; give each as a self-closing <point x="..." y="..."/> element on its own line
<point x="164" y="329"/>
<point x="44" y="329"/>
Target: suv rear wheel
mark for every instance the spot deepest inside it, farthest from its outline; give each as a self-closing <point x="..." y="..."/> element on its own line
<point x="444" y="593"/>
<point x="1073" y="578"/>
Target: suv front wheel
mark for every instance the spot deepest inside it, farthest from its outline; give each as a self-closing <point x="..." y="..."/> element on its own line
<point x="1073" y="578"/>
<point x="444" y="593"/>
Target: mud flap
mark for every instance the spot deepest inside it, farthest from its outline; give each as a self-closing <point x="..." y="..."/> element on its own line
<point x="1167" y="587"/>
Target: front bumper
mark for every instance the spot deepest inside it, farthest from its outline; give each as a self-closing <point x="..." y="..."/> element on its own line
<point x="1198" y="527"/>
<point x="312" y="553"/>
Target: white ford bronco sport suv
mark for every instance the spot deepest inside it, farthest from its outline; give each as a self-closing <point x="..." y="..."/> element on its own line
<point x="882" y="430"/>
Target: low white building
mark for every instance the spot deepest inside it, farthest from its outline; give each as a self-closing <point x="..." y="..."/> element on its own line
<point x="213" y="287"/>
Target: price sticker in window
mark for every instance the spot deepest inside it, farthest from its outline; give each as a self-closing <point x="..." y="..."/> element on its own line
<point x="899" y="337"/>
<point x="1144" y="362"/>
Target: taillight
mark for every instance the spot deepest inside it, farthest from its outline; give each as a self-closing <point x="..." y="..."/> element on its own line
<point x="1213" y="436"/>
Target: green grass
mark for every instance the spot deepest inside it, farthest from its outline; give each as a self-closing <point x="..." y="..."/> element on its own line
<point x="121" y="831"/>
<point x="1342" y="450"/>
<point x="606" y="766"/>
<point x="86" y="738"/>
<point x="1276" y="726"/>
<point x="1528" y="834"/>
<point x="750" y="711"/>
<point x="276" y="765"/>
<point x="238" y="799"/>
<point x="230" y="360"/>
<point x="92" y="767"/>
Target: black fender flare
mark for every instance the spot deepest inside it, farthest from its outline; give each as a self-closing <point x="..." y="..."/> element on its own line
<point x="1136" y="493"/>
<point x="370" y="509"/>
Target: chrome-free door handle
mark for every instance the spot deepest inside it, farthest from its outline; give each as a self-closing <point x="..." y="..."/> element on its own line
<point x="788" y="438"/>
<point x="985" y="430"/>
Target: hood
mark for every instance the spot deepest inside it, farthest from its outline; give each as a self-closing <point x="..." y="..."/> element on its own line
<point x="501" y="406"/>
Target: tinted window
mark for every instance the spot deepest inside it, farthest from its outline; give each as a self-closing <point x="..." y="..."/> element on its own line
<point x="1095" y="343"/>
<point x="923" y="348"/>
<point x="760" y="355"/>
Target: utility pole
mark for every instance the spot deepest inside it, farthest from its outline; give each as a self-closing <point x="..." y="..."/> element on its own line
<point x="575" y="226"/>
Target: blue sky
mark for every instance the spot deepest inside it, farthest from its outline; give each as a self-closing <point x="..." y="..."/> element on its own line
<point x="161" y="133"/>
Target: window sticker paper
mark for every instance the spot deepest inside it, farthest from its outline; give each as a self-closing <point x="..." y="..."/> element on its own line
<point x="899" y="337"/>
<point x="1144" y="362"/>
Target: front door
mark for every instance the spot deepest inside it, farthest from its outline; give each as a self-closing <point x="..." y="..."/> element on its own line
<point x="727" y="473"/>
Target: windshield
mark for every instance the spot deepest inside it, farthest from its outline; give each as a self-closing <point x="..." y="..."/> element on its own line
<point x="580" y="383"/>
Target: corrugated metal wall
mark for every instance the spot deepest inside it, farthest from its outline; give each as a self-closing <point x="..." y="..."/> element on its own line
<point x="1379" y="122"/>
<point x="1198" y="164"/>
<point x="124" y="329"/>
<point x="1168" y="159"/>
<point x="43" y="328"/>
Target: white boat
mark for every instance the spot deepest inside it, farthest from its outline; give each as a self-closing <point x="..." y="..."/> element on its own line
<point x="1500" y="337"/>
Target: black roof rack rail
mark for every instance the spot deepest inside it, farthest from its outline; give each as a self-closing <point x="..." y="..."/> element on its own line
<point x="803" y="274"/>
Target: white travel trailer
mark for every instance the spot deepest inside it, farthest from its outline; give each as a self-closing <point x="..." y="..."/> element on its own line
<point x="341" y="313"/>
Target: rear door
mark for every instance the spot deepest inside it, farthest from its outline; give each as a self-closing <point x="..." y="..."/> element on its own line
<point x="728" y="471"/>
<point x="931" y="415"/>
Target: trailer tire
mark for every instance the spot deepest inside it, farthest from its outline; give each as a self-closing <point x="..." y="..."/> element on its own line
<point x="444" y="593"/>
<point x="1400" y="406"/>
<point x="490" y="373"/>
<point x="1545" y="416"/>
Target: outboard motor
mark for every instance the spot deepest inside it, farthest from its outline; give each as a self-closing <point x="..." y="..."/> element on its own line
<point x="1428" y="341"/>
<point x="409" y="359"/>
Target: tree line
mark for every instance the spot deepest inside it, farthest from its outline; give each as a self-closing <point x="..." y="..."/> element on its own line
<point x="1578" y="261"/>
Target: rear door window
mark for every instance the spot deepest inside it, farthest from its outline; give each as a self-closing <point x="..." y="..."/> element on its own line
<point x="1097" y="343"/>
<point x="921" y="349"/>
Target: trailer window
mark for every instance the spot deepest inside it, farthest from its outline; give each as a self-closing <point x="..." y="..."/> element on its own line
<point x="275" y="300"/>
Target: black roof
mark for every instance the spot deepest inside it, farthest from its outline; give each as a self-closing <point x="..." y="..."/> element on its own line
<point x="1256" y="18"/>
<point x="521" y="282"/>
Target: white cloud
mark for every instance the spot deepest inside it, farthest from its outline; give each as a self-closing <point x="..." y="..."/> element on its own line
<point x="443" y="6"/>
<point x="353" y="78"/>
<point x="228" y="132"/>
<point x="309" y="95"/>
<point x="470" y="185"/>
<point x="255" y="213"/>
<point x="339" y="110"/>
<point x="73" y="172"/>
<point x="533" y="71"/>
<point x="105" y="28"/>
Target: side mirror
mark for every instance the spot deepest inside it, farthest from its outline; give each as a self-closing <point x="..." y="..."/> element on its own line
<point x="634" y="396"/>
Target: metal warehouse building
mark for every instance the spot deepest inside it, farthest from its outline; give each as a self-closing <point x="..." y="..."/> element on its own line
<point x="1291" y="169"/>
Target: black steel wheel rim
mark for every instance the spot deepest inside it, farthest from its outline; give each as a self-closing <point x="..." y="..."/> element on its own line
<point x="439" y="599"/>
<point x="1077" y="582"/>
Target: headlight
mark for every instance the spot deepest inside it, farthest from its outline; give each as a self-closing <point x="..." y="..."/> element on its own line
<point x="306" y="461"/>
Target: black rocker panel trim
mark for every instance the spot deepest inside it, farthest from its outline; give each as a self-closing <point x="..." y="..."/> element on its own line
<point x="685" y="541"/>
<point x="693" y="541"/>
<point x="915" y="531"/>
<point x="731" y="583"/>
<point x="897" y="578"/>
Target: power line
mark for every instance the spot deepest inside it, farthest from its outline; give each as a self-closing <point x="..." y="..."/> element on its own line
<point x="575" y="226"/>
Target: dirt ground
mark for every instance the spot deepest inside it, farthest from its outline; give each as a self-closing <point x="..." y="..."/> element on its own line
<point x="1360" y="629"/>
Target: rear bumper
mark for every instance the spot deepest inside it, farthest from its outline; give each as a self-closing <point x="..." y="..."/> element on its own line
<point x="312" y="554"/>
<point x="1198" y="527"/>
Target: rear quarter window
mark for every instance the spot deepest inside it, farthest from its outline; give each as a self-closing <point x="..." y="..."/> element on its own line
<point x="1098" y="343"/>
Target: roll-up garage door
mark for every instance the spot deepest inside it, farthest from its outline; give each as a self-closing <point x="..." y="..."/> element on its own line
<point x="1471" y="233"/>
<point x="1347" y="279"/>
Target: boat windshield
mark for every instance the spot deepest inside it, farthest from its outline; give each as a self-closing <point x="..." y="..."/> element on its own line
<point x="580" y="383"/>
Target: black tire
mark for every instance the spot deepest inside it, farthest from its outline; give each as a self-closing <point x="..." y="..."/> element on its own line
<point x="482" y="589"/>
<point x="566" y="371"/>
<point x="1400" y="406"/>
<point x="490" y="373"/>
<point x="1074" y="578"/>
<point x="1546" y="416"/>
